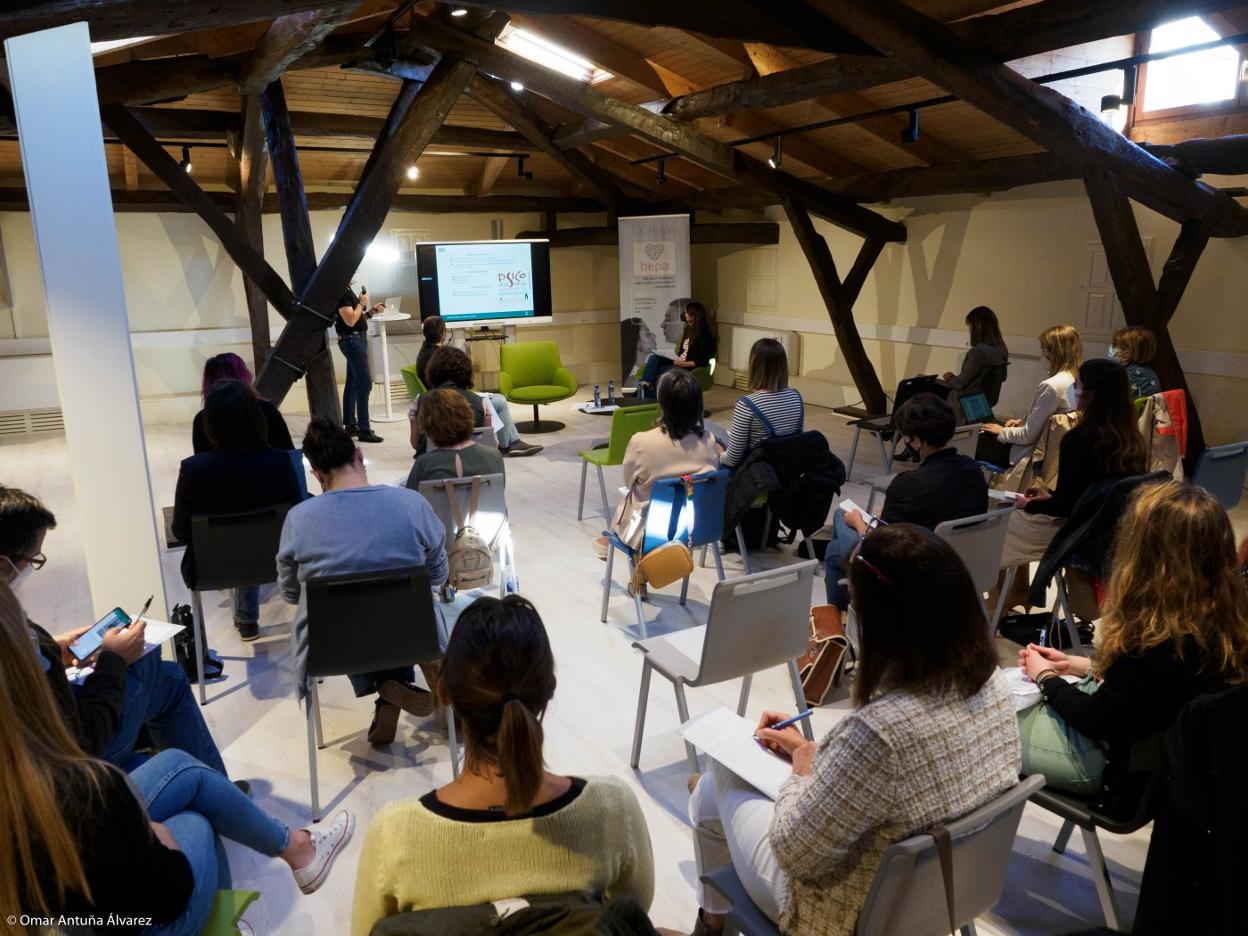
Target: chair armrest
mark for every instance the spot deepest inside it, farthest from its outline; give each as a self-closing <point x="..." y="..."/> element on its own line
<point x="566" y="379"/>
<point x="505" y="384"/>
<point x="873" y="423"/>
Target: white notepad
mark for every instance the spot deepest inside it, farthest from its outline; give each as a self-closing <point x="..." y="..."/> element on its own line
<point x="725" y="736"/>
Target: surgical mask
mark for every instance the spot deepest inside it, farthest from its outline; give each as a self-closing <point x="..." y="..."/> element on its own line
<point x="1113" y="353"/>
<point x="16" y="577"/>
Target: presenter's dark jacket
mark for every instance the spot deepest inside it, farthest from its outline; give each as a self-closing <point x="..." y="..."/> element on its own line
<point x="701" y="349"/>
<point x="279" y="434"/>
<point x="946" y="486"/>
<point x="350" y="299"/>
<point x="93" y="713"/>
<point x="129" y="872"/>
<point x="227" y="481"/>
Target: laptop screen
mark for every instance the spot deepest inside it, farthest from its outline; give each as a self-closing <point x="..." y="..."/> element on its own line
<point x="975" y="407"/>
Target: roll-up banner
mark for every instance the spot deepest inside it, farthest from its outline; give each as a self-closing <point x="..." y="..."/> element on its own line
<point x="654" y="275"/>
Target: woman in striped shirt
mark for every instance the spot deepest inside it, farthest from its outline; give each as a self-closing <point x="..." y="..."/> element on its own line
<point x="773" y="408"/>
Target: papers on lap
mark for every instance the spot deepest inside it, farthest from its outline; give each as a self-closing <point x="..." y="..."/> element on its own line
<point x="725" y="736"/>
<point x="157" y="633"/>
<point x="1023" y="691"/>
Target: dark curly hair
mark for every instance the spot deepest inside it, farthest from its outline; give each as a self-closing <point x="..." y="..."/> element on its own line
<point x="450" y="365"/>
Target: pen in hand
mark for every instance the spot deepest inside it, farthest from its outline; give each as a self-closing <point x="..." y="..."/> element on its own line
<point x="791" y="721"/>
<point x="147" y="604"/>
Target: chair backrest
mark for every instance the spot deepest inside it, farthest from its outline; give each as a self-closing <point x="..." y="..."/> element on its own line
<point x="529" y="363"/>
<point x="993" y="380"/>
<point x="491" y="514"/>
<point x="237" y="550"/>
<point x="907" y="897"/>
<point x="361" y="622"/>
<point x="411" y="380"/>
<point x="756" y="622"/>
<point x="965" y="438"/>
<point x="484" y="435"/>
<point x="1221" y="470"/>
<point x="913" y="386"/>
<point x="979" y="542"/>
<point x="705" y="376"/>
<point x="626" y="422"/>
<point x="667" y="518"/>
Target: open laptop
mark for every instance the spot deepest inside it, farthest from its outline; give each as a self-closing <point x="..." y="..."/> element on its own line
<point x="976" y="408"/>
<point x="392" y="304"/>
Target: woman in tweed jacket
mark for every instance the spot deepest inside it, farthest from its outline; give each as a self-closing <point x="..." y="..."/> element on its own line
<point x="932" y="737"/>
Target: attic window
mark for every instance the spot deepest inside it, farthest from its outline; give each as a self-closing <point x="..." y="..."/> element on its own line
<point x="112" y="45"/>
<point x="538" y="49"/>
<point x="1198" y="78"/>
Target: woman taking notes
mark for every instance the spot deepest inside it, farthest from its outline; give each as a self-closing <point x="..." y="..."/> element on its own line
<point x="933" y="736"/>
<point x="507" y="827"/>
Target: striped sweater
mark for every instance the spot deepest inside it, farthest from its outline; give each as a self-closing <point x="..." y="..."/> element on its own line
<point x="783" y="410"/>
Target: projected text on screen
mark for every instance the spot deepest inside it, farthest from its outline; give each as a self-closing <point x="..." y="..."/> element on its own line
<point x="482" y="281"/>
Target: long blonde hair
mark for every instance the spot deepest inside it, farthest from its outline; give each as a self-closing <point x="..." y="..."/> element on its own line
<point x="36" y="751"/>
<point x="1176" y="579"/>
<point x="1063" y="347"/>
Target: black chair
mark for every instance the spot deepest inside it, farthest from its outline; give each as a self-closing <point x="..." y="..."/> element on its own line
<point x="994" y="380"/>
<point x="236" y="550"/>
<point x="882" y="426"/>
<point x="362" y="622"/>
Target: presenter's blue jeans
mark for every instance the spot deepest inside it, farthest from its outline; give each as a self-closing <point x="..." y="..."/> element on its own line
<point x="654" y="367"/>
<point x="836" y="560"/>
<point x="359" y="384"/>
<point x="201" y="807"/>
<point x="158" y="696"/>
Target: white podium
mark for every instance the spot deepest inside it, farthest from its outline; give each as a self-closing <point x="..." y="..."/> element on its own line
<point x="381" y="319"/>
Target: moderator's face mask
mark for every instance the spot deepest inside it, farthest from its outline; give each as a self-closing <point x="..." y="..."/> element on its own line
<point x="10" y="573"/>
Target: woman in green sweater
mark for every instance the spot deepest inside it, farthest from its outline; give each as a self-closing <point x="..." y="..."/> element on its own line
<point x="507" y="827"/>
<point x="448" y="423"/>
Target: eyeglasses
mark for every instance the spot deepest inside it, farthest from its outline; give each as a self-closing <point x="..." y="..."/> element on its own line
<point x="37" y="561"/>
<point x="872" y="525"/>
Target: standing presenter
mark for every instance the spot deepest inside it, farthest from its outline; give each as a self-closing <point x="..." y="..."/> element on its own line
<point x="351" y="324"/>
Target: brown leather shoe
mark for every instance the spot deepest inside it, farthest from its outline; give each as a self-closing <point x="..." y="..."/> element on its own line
<point x="414" y="701"/>
<point x="385" y="724"/>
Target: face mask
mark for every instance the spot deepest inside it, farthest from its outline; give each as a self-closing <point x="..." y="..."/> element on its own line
<point x="1113" y="353"/>
<point x="16" y="578"/>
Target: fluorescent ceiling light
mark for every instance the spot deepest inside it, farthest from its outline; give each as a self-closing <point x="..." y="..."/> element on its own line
<point x="112" y="45"/>
<point x="538" y="49"/>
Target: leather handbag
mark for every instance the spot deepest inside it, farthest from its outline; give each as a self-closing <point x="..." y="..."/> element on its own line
<point x="824" y="660"/>
<point x="672" y="561"/>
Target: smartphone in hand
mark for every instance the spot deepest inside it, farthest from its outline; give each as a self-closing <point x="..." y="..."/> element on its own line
<point x="90" y="642"/>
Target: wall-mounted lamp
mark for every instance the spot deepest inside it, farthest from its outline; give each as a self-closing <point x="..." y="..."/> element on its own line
<point x="777" y="156"/>
<point x="910" y="133"/>
<point x="186" y="160"/>
<point x="1112" y="103"/>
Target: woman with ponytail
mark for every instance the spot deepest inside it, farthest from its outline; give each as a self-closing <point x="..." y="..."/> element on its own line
<point x="507" y="826"/>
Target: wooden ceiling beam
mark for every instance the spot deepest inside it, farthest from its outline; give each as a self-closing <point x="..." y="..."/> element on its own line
<point x="287" y="39"/>
<point x="1072" y="134"/>
<point x="1223" y="156"/>
<point x="744" y="233"/>
<point x="979" y="176"/>
<point x="675" y="135"/>
<point x="1014" y="34"/>
<point x="253" y="175"/>
<point x="491" y="168"/>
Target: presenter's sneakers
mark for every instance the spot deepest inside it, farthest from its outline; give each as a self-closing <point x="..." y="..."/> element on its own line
<point x="329" y="841"/>
<point x="247" y="630"/>
<point x="520" y="448"/>
<point x="367" y="435"/>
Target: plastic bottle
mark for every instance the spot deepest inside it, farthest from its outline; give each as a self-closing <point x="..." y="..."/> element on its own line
<point x="597" y="396"/>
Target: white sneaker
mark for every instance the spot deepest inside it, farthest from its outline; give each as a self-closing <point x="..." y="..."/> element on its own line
<point x="328" y="842"/>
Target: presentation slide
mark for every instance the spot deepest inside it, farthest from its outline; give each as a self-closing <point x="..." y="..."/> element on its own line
<point x="484" y="281"/>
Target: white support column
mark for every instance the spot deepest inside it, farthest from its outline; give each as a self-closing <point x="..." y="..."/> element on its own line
<point x="53" y="84"/>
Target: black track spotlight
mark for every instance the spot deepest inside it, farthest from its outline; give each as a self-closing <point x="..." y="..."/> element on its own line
<point x="186" y="160"/>
<point x="661" y="177"/>
<point x="778" y="156"/>
<point x="520" y="170"/>
<point x="911" y="132"/>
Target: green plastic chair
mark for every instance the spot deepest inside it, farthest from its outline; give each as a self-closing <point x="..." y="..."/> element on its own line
<point x="531" y="374"/>
<point x="412" y="381"/>
<point x="626" y="422"/>
<point x="227" y="910"/>
<point x="705" y="376"/>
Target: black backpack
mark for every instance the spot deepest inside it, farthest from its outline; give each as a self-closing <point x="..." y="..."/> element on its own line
<point x="184" y="646"/>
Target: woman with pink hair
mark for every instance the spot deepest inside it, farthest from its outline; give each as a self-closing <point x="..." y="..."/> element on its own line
<point x="230" y="366"/>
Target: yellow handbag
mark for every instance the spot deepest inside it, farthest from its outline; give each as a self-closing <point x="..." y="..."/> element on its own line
<point x="672" y="561"/>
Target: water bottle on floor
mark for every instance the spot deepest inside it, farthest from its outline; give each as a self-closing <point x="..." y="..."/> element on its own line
<point x="597" y="396"/>
<point x="610" y="391"/>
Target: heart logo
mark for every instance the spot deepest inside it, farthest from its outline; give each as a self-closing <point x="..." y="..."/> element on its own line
<point x="654" y="251"/>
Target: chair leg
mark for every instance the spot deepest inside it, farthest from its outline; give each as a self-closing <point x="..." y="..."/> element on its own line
<point x="197" y="619"/>
<point x="884" y="452"/>
<point x="643" y="699"/>
<point x="1063" y="837"/>
<point x="315" y="697"/>
<point x="762" y="542"/>
<point x="684" y="589"/>
<point x="1100" y="877"/>
<point x="312" y="783"/>
<point x="641" y="612"/>
<point x="719" y="560"/>
<point x="537" y="419"/>
<point x="853" y="451"/>
<point x="702" y="560"/>
<point x="682" y="707"/>
<point x="799" y="696"/>
<point x="606" y="581"/>
<point x="1010" y="574"/>
<point x="602" y="488"/>
<point x="745" y="553"/>
<point x="969" y="929"/>
<point x="580" y="504"/>
<point x="744" y="698"/>
<point x="1068" y="619"/>
<point x="452" y="740"/>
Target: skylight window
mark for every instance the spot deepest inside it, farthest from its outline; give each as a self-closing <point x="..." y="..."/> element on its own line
<point x="112" y="45"/>
<point x="538" y="49"/>
<point x="1196" y="78"/>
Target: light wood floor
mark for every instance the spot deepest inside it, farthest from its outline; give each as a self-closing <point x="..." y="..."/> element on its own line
<point x="261" y="731"/>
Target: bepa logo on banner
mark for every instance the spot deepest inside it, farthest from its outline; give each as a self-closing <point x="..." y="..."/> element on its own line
<point x="653" y="257"/>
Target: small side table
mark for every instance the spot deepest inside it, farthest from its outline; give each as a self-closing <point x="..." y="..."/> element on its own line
<point x="382" y="318"/>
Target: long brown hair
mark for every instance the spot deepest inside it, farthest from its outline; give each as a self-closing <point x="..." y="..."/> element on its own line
<point x="697" y="324"/>
<point x="499" y="674"/>
<point x="923" y="628"/>
<point x="38" y="760"/>
<point x="1063" y="347"/>
<point x="1107" y="414"/>
<point x="769" y="366"/>
<point x="1176" y="579"/>
<point x="985" y="329"/>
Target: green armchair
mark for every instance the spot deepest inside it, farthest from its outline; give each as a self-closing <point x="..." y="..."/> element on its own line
<point x="705" y="376"/>
<point x="412" y="381"/>
<point x="531" y="374"/>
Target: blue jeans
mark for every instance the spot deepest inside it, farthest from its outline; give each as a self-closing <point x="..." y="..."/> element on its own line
<point x="247" y="605"/>
<point x="359" y="383"/>
<point x="158" y="695"/>
<point x="836" y="559"/>
<point x="200" y="807"/>
<point x="510" y="433"/>
<point x="655" y="365"/>
<point x="368" y="683"/>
